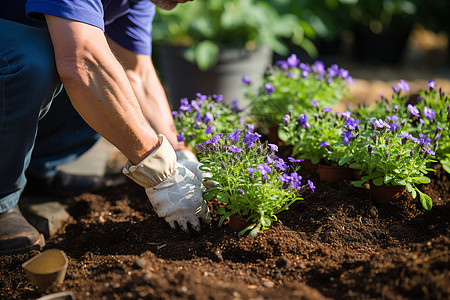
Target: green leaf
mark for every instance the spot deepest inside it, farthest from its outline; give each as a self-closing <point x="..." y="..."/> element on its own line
<point x="414" y="194"/>
<point x="220" y="211"/>
<point x="208" y="194"/>
<point x="344" y="160"/>
<point x="223" y="197"/>
<point x="358" y="183"/>
<point x="387" y="179"/>
<point x="423" y="179"/>
<point x="426" y="200"/>
<point x="398" y="181"/>
<point x="206" y="54"/>
<point x="409" y="187"/>
<point x="378" y="181"/>
<point x="265" y="221"/>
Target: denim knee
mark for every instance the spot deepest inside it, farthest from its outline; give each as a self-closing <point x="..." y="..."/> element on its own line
<point x="28" y="83"/>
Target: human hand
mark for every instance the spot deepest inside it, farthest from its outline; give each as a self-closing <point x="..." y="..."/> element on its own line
<point x="189" y="160"/>
<point x="174" y="192"/>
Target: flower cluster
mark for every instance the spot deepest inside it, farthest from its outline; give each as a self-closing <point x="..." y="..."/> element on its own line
<point x="324" y="137"/>
<point x="251" y="179"/>
<point x="290" y="85"/>
<point x="393" y="156"/>
<point x="199" y="119"/>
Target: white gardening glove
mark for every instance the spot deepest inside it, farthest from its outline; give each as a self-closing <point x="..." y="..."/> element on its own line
<point x="174" y="192"/>
<point x="190" y="161"/>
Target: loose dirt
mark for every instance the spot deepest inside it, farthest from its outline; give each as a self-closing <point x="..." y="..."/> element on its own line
<point x="334" y="244"/>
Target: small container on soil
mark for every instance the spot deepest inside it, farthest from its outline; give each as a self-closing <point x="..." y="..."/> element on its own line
<point x="46" y="268"/>
<point x="384" y="194"/>
<point x="334" y="174"/>
<point x="237" y="223"/>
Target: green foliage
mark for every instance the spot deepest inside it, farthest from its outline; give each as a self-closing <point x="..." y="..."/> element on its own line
<point x="290" y="85"/>
<point x="205" y="26"/>
<point x="251" y="180"/>
<point x="198" y="120"/>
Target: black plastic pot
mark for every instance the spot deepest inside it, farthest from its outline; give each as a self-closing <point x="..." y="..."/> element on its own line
<point x="184" y="79"/>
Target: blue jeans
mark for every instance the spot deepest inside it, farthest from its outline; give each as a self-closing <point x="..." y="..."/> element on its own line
<point x="39" y="128"/>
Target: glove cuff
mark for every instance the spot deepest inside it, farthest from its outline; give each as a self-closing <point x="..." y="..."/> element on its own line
<point x="185" y="155"/>
<point x="155" y="168"/>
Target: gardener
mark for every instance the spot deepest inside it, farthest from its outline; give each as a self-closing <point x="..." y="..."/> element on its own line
<point x="100" y="51"/>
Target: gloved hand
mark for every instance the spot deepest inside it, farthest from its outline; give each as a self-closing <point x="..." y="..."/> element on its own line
<point x="189" y="160"/>
<point x="174" y="192"/>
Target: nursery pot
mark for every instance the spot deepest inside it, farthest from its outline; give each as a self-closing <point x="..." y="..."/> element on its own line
<point x="237" y="223"/>
<point x="334" y="174"/>
<point x="184" y="79"/>
<point x="46" y="268"/>
<point x="385" y="193"/>
<point x="308" y="165"/>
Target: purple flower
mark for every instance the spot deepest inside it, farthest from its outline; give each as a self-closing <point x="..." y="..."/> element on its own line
<point x="324" y="143"/>
<point x="293" y="61"/>
<point x="174" y="113"/>
<point x="294" y="161"/>
<point x="403" y="85"/>
<point x="211" y="106"/>
<point x="429" y="113"/>
<point x="333" y="70"/>
<point x="180" y="137"/>
<point x="213" y="141"/>
<point x="283" y="65"/>
<point x="201" y="98"/>
<point x="208" y="117"/>
<point x="351" y="123"/>
<point x="195" y="105"/>
<point x="217" y="98"/>
<point x="251" y="171"/>
<point x="424" y="140"/>
<point x="386" y="153"/>
<point x="395" y="89"/>
<point x="184" y="101"/>
<point x="280" y="164"/>
<point x="264" y="169"/>
<point x="209" y="129"/>
<point x="346" y="114"/>
<point x="235" y="107"/>
<point x="326" y="110"/>
<point x="240" y="191"/>
<point x="246" y="80"/>
<point x="234" y="136"/>
<point x="347" y="135"/>
<point x="302" y="120"/>
<point x="286" y="119"/>
<point x="319" y="68"/>
<point x="269" y="88"/>
<point x="314" y="103"/>
<point x="250" y="139"/>
<point x="413" y="110"/>
<point x="235" y="149"/>
<point x="273" y="148"/>
<point x="198" y="117"/>
<point x="250" y="128"/>
<point x="311" y="185"/>
<point x="186" y="107"/>
<point x="305" y="74"/>
<point x="431" y="84"/>
<point x="343" y="73"/>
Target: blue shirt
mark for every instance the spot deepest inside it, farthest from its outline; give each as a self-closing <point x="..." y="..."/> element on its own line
<point x="127" y="22"/>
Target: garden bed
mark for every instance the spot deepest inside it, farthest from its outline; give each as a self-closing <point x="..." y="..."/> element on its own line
<point x="334" y="244"/>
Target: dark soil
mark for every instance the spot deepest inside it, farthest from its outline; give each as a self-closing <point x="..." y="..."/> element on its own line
<point x="334" y="244"/>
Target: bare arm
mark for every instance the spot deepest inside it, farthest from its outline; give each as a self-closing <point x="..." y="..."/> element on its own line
<point x="98" y="87"/>
<point x="149" y="91"/>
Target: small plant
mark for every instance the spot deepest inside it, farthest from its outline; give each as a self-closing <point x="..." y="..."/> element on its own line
<point x="433" y="119"/>
<point x="290" y="85"/>
<point x="252" y="181"/>
<point x="393" y="156"/>
<point x="198" y="120"/>
<point x="323" y="137"/>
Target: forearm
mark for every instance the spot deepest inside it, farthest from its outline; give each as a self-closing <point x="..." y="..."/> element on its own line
<point x="149" y="92"/>
<point x="99" y="88"/>
<point x="154" y="104"/>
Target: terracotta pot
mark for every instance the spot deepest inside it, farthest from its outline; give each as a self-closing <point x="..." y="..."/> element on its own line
<point x="334" y="174"/>
<point x="237" y="223"/>
<point x="385" y="193"/>
<point x="309" y="166"/>
<point x="355" y="175"/>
